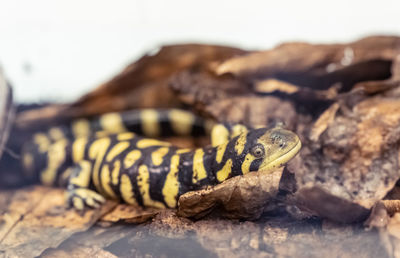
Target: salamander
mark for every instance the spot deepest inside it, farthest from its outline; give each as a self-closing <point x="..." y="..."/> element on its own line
<point x="102" y="158"/>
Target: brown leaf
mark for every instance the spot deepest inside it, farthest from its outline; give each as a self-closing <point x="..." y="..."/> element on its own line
<point x="254" y="111"/>
<point x="318" y="66"/>
<point x="200" y="87"/>
<point x="43" y="222"/>
<point x="239" y="197"/>
<point x="227" y="99"/>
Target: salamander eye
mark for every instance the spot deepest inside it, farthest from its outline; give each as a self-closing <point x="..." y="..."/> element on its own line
<point x="257" y="151"/>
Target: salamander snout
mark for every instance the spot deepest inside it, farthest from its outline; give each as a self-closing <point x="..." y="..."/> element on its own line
<point x="275" y="147"/>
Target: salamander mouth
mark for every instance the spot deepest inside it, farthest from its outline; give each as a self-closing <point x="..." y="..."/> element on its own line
<point x="286" y="157"/>
<point x="291" y="153"/>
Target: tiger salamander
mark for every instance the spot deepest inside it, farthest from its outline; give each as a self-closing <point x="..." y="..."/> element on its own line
<point x="117" y="163"/>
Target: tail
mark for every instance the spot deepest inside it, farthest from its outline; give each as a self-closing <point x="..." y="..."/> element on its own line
<point x="151" y="123"/>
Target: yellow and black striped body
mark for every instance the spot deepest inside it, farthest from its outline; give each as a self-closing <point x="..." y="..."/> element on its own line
<point x="147" y="122"/>
<point x="149" y="172"/>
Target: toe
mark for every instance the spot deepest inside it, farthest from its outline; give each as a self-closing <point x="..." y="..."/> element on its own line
<point x="78" y="203"/>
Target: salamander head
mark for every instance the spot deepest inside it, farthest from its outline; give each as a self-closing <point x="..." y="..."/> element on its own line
<point x="269" y="149"/>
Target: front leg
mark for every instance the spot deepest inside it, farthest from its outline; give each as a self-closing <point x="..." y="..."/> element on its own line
<point x="78" y="193"/>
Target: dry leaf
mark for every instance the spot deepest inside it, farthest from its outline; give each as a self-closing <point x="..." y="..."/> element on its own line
<point x="42" y="222"/>
<point x="239" y="197"/>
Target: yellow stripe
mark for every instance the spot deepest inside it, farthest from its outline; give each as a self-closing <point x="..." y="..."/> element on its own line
<point x="126" y="189"/>
<point x="78" y="149"/>
<point x="96" y="152"/>
<point x="144" y="188"/>
<point x="83" y="178"/>
<point x="171" y="185"/>
<point x="240" y="143"/>
<point x="180" y="151"/>
<point x="105" y="182"/>
<point x="42" y="141"/>
<point x="246" y="163"/>
<point x="116" y="150"/>
<point x="219" y="135"/>
<point x="78" y="203"/>
<point x="125" y="136"/>
<point x="157" y="156"/>
<point x="199" y="172"/>
<point x="181" y="121"/>
<point x="144" y="143"/>
<point x="55" y="158"/>
<point x="150" y="124"/>
<point x="116" y="171"/>
<point x="224" y="173"/>
<point x="81" y="128"/>
<point x="112" y="123"/>
<point x="131" y="158"/>
<point x="238" y="129"/>
<point x="220" y="152"/>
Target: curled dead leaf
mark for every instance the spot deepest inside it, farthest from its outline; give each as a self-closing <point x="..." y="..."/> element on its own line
<point x="243" y="197"/>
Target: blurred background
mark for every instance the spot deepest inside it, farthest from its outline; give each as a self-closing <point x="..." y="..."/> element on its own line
<point x="58" y="50"/>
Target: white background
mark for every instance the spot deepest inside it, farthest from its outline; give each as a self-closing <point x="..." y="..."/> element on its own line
<point x="59" y="49"/>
